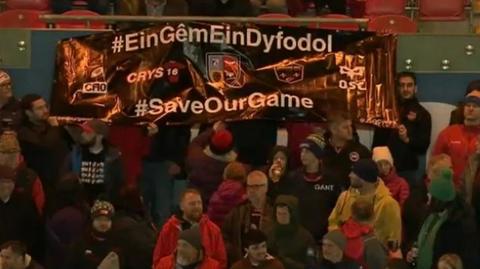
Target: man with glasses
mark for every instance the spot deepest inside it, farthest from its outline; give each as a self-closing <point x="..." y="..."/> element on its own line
<point x="409" y="142"/>
<point x="10" y="113"/>
<point x="255" y="214"/>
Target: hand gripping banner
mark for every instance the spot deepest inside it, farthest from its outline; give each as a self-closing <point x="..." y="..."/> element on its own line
<point x="202" y="72"/>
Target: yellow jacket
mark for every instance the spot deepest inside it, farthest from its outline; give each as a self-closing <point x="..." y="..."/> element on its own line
<point x="387" y="215"/>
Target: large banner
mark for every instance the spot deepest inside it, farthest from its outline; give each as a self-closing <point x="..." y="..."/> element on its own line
<point x="203" y="72"/>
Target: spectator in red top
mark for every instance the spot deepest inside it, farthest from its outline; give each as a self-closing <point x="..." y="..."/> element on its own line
<point x="397" y="185"/>
<point x="189" y="253"/>
<point x="459" y="140"/>
<point x="27" y="183"/>
<point x="229" y="194"/>
<point x="191" y="215"/>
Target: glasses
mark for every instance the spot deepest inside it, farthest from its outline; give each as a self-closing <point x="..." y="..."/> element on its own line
<point x="5" y="87"/>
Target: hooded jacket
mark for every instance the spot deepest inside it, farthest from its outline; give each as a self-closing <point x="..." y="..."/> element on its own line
<point x="289" y="243"/>
<point x="229" y="194"/>
<point x="459" y="142"/>
<point x="211" y="239"/>
<point x="362" y="245"/>
<point x="170" y="263"/>
<point x="387" y="215"/>
<point x="398" y="186"/>
<point x="205" y="169"/>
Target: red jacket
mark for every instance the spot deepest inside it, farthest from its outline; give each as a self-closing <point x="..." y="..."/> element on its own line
<point x="211" y="238"/>
<point x="229" y="194"/>
<point x="169" y="263"/>
<point x="459" y="142"/>
<point x="398" y="187"/>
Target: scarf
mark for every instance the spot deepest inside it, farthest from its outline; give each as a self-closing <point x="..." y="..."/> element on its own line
<point x="426" y="239"/>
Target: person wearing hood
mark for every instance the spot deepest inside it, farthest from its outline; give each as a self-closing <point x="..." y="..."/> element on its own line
<point x="13" y="255"/>
<point x="289" y="241"/>
<point x="366" y="184"/>
<point x="257" y="257"/>
<point x="409" y="142"/>
<point x="189" y="254"/>
<point x="333" y="256"/>
<point x="397" y="185"/>
<point x="449" y="228"/>
<point x="191" y="214"/>
<point x="10" y="112"/>
<point x="316" y="189"/>
<point x="208" y="155"/>
<point x="27" y="182"/>
<point x="97" y="248"/>
<point x="133" y="229"/>
<point x="96" y="162"/>
<point x="362" y="244"/>
<point x="230" y="193"/>
<point x="278" y="170"/>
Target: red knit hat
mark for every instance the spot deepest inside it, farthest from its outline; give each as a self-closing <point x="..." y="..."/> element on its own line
<point x="221" y="142"/>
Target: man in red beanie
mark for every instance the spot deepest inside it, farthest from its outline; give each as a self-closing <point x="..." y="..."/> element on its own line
<point x="208" y="155"/>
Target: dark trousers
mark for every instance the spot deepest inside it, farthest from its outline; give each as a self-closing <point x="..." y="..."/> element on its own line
<point x="99" y="6"/>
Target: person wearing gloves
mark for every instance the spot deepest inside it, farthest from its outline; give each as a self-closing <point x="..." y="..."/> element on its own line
<point x="366" y="184"/>
<point x="397" y="185"/>
<point x="189" y="254"/>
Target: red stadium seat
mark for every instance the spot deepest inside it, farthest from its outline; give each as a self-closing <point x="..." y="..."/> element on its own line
<point x="384" y="7"/>
<point x="295" y="7"/>
<point x="276" y="16"/>
<point x="336" y="25"/>
<point x="19" y="18"/>
<point x="442" y="10"/>
<point x="80" y="24"/>
<point x="392" y="24"/>
<point x="28" y="4"/>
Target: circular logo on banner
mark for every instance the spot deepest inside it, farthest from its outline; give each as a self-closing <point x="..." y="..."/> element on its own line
<point x="354" y="156"/>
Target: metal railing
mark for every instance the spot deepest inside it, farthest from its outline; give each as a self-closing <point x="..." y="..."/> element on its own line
<point x="52" y="19"/>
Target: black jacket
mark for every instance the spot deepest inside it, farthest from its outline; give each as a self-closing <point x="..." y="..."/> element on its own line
<point x="340" y="163"/>
<point x="458" y="235"/>
<point x="89" y="252"/>
<point x="418" y="122"/>
<point x="44" y="149"/>
<point x="10" y="115"/>
<point x="136" y="237"/>
<point x="19" y="220"/>
<point x="316" y="200"/>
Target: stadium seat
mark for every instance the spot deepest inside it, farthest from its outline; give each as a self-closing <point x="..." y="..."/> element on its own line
<point x="295" y="7"/>
<point x="19" y="18"/>
<point x="277" y="15"/>
<point x="442" y="10"/>
<point x="28" y="4"/>
<point x="80" y="24"/>
<point x="335" y="25"/>
<point x="392" y="24"/>
<point x="384" y="7"/>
